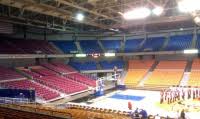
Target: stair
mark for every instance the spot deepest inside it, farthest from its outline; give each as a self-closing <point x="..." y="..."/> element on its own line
<point x="154" y="66"/>
<point x="149" y="73"/>
<point x="122" y="46"/>
<point x="141" y="83"/>
<point x="78" y="47"/>
<point x="58" y="49"/>
<point x="123" y="77"/>
<point x="101" y="46"/>
<point x="188" y="66"/>
<point x="185" y="79"/>
<point x="165" y="43"/>
<point x="98" y="66"/>
<point x="142" y="43"/>
<point x="194" y="40"/>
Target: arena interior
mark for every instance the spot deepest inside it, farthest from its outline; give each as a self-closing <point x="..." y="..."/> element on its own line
<point x="99" y="59"/>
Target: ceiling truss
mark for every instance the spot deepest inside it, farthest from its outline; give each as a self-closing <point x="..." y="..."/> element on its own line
<point x="99" y="14"/>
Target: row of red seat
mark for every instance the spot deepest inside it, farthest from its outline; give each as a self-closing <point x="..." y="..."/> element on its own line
<point x="64" y="66"/>
<point x="40" y="90"/>
<point x="53" y="80"/>
<point x="21" y="46"/>
<point x="43" y="71"/>
<point x="70" y="73"/>
<point x="62" y="84"/>
<point x="73" y="74"/>
<point x="8" y="74"/>
<point x="54" y="68"/>
<point x="83" y="79"/>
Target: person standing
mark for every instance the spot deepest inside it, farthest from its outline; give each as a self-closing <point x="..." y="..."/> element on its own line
<point x="182" y="116"/>
<point x="129" y="105"/>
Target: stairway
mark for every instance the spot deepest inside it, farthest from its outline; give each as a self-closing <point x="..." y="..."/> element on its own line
<point x="98" y="66"/>
<point x="123" y="77"/>
<point x="165" y="43"/>
<point x="101" y="46"/>
<point x="58" y="49"/>
<point x="122" y="46"/>
<point x="185" y="79"/>
<point x="188" y="66"/>
<point x="78" y="47"/>
<point x="194" y="40"/>
<point x="147" y="75"/>
<point x="154" y="66"/>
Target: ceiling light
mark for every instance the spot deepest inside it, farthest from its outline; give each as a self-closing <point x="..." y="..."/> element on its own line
<point x="80" y="17"/>
<point x="189" y="5"/>
<point x="197" y="19"/>
<point x="138" y="13"/>
<point x="157" y="11"/>
<point x="114" y="29"/>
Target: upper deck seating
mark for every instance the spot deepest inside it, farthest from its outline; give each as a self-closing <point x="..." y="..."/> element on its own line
<point x="90" y="65"/>
<point x="64" y="66"/>
<point x="66" y="46"/>
<point x="8" y="48"/>
<point x="90" y="46"/>
<point x="28" y="46"/>
<point x="132" y="45"/>
<point x="179" y="42"/>
<point x="111" y="45"/>
<point x="153" y="44"/>
<point x="111" y="64"/>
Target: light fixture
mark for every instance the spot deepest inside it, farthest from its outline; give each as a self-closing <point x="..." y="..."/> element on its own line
<point x="109" y="54"/>
<point x="191" y="51"/>
<point x="197" y="19"/>
<point x="80" y="55"/>
<point x="138" y="13"/>
<point x="189" y="5"/>
<point x="157" y="11"/>
<point x="114" y="29"/>
<point x="80" y="16"/>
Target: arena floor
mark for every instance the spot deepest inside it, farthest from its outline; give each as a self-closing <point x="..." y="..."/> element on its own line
<point x="148" y="100"/>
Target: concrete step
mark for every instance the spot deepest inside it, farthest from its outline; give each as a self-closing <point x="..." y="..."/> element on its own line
<point x="101" y="46"/>
<point x="58" y="49"/>
<point x="79" y="47"/>
<point x="185" y="79"/>
<point x="141" y="83"/>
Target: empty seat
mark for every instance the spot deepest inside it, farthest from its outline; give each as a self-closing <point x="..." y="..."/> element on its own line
<point x="111" y="45"/>
<point x="132" y="45"/>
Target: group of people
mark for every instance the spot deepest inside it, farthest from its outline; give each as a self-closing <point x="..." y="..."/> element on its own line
<point x="177" y="93"/>
<point x="139" y="114"/>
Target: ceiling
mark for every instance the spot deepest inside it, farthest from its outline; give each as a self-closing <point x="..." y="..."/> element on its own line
<point x="100" y="15"/>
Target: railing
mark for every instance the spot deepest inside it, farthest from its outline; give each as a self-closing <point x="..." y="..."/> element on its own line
<point x="8" y="100"/>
